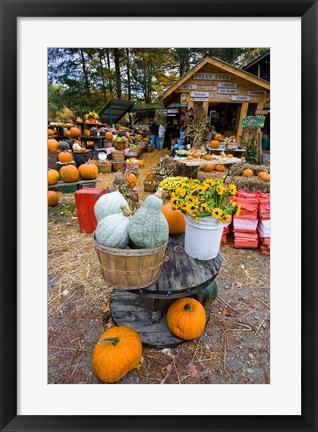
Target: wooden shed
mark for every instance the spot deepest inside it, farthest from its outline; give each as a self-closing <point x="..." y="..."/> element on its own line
<point x="226" y="93"/>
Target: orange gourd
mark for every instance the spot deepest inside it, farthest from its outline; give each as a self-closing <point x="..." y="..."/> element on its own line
<point x="67" y="133"/>
<point x="88" y="171"/>
<point x="261" y="174"/>
<point x="218" y="137"/>
<point x="75" y="131"/>
<point x="89" y="144"/>
<point x="65" y="156"/>
<point x="220" y="168"/>
<point x="189" y="157"/>
<point x="109" y="136"/>
<point x="87" y="132"/>
<point x="208" y="157"/>
<point x="186" y="318"/>
<point x="214" y="144"/>
<point x="50" y="132"/>
<point x="209" y="168"/>
<point x="116" y="353"/>
<point x="248" y="173"/>
<point x="175" y="219"/>
<point x="52" y="144"/>
<point x="53" y="198"/>
<point x="196" y="155"/>
<point x="52" y="176"/>
<point x="229" y="156"/>
<point x="267" y="177"/>
<point x="69" y="173"/>
<point x="132" y="180"/>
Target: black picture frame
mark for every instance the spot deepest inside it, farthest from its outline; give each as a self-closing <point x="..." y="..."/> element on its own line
<point x="10" y="11"/>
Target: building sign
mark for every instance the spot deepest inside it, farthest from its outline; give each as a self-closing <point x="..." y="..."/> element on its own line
<point x="241" y="98"/>
<point x="208" y="88"/>
<point x="217" y="96"/>
<point x="227" y="85"/>
<point x="253" y="122"/>
<point x="195" y="99"/>
<point x="199" y="94"/>
<point x="188" y="87"/>
<point x="256" y="93"/>
<point x="184" y="98"/>
<point x="261" y="111"/>
<point x="227" y="91"/>
<point x="212" y="76"/>
<point x="267" y="101"/>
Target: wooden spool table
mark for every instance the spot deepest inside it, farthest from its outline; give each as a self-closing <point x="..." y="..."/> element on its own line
<point x="145" y="310"/>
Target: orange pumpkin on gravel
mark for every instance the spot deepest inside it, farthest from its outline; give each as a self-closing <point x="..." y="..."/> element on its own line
<point x="186" y="318"/>
<point x="53" y="198"/>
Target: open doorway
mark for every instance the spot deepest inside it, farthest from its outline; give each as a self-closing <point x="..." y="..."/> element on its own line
<point x="224" y="117"/>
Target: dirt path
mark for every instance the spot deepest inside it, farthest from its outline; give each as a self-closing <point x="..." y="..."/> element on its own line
<point x="233" y="349"/>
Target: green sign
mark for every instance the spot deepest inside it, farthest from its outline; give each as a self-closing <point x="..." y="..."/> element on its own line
<point x="253" y="121"/>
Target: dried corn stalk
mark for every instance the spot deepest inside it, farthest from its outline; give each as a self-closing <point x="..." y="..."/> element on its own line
<point x="197" y="128"/>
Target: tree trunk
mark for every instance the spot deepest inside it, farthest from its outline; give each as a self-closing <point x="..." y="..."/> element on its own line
<point x="87" y="90"/>
<point x="128" y="74"/>
<point x="117" y="71"/>
<point x="110" y="82"/>
<point x="102" y="74"/>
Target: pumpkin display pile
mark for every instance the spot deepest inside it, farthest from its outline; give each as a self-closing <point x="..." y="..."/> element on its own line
<point x="251" y="178"/>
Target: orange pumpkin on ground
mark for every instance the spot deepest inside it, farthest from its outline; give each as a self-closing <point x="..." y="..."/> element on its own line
<point x="52" y="144"/>
<point x="186" y="318"/>
<point x="75" y="131"/>
<point x="220" y="168"/>
<point x="208" y="157"/>
<point x="267" y="178"/>
<point x="214" y="144"/>
<point x="52" y="176"/>
<point x="109" y="136"/>
<point x="88" y="171"/>
<point x="175" y="219"/>
<point x="248" y="173"/>
<point x="87" y="132"/>
<point x="116" y="353"/>
<point x="65" y="156"/>
<point x="53" y="198"/>
<point x="69" y="173"/>
<point x="209" y="168"/>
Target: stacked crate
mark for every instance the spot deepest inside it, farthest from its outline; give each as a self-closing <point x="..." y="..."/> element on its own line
<point x="264" y="224"/>
<point x="245" y="225"/>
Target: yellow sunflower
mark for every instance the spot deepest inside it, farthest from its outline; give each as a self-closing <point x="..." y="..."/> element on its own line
<point x="238" y="211"/>
<point x="232" y="189"/>
<point x="220" y="189"/>
<point x="217" y="213"/>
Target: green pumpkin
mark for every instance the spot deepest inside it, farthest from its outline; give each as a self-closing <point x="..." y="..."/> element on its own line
<point x="207" y="295"/>
<point x="63" y="145"/>
<point x="148" y="228"/>
<point x="112" y="230"/>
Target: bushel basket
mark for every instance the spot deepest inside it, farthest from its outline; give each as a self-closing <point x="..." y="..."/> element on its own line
<point x="151" y="185"/>
<point x="130" y="268"/>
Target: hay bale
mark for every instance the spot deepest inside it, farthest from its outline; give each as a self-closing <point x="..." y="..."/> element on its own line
<point x="237" y="169"/>
<point x="250" y="184"/>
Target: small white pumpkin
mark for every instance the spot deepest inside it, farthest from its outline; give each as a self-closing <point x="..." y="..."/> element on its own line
<point x="108" y="204"/>
<point x="112" y="230"/>
<point x="148" y="228"/>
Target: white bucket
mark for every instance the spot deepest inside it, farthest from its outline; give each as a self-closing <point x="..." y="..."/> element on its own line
<point x="202" y="239"/>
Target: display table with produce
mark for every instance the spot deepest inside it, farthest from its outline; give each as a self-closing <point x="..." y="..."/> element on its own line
<point x="144" y="310"/>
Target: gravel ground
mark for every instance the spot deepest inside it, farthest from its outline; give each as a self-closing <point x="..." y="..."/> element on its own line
<point x="234" y="348"/>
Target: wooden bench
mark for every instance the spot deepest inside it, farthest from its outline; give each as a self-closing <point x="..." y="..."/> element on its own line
<point x="80" y="184"/>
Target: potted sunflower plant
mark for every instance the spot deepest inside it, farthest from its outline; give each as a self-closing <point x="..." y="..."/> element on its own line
<point x="91" y="117"/>
<point x="208" y="206"/>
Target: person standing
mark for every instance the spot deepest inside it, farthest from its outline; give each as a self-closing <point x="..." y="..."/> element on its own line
<point x="161" y="133"/>
<point x="154" y="128"/>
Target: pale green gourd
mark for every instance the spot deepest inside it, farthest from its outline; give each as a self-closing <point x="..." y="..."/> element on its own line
<point x="108" y="204"/>
<point x="112" y="230"/>
<point x="148" y="228"/>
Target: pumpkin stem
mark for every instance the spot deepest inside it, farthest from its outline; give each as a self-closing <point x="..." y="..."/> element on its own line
<point x="188" y="307"/>
<point x="125" y="210"/>
<point x="113" y="341"/>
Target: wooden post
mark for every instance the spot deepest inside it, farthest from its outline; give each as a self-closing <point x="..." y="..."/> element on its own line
<point x="243" y="113"/>
<point x="206" y="108"/>
<point x="260" y="105"/>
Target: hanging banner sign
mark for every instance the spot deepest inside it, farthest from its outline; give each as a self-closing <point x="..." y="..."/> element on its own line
<point x="184" y="98"/>
<point x="253" y="122"/>
<point x="227" y="91"/>
<point x="241" y="98"/>
<point x="195" y="99"/>
<point x="256" y="93"/>
<point x="199" y="94"/>
<point x="212" y="76"/>
<point x="188" y="87"/>
<point x="227" y="85"/>
<point x="208" y="88"/>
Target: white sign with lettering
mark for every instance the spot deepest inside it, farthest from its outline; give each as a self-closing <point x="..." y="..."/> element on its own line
<point x="212" y="76"/>
<point x="218" y="96"/>
<point x="227" y="91"/>
<point x="195" y="99"/>
<point x="241" y="98"/>
<point x="199" y="94"/>
<point x="256" y="93"/>
<point x="209" y="88"/>
<point x="227" y="85"/>
<point x="188" y="87"/>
